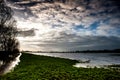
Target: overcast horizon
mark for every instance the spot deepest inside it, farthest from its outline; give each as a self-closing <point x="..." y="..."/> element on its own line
<point x="67" y="25"/>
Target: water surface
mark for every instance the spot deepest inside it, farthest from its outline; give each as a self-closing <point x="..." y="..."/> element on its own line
<point x="96" y="59"/>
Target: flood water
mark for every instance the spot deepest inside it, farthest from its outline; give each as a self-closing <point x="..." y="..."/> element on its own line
<point x="96" y="59"/>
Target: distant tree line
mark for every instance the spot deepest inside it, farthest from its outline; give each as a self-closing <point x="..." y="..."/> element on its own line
<point x="100" y="51"/>
<point x="84" y="51"/>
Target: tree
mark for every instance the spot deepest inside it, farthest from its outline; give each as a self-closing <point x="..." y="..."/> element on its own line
<point x="8" y="31"/>
<point x="9" y="46"/>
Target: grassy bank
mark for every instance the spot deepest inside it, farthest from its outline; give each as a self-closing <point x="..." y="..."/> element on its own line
<point x="33" y="67"/>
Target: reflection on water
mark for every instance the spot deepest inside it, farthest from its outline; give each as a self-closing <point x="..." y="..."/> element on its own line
<point x="96" y="59"/>
<point x="7" y="67"/>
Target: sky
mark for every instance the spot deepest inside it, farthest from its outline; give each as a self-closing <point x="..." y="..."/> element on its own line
<point x="67" y="25"/>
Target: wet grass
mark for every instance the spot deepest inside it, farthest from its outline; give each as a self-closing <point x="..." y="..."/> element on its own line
<point x="33" y="67"/>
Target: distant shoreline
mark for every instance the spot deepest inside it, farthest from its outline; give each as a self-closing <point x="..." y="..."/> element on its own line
<point x="86" y="51"/>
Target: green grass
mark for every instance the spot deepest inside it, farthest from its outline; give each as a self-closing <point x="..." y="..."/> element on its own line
<point x="33" y="67"/>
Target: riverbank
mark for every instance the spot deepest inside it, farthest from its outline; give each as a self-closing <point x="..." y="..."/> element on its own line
<point x="34" y="67"/>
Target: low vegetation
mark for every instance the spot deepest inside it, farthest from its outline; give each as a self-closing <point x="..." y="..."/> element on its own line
<point x="33" y="67"/>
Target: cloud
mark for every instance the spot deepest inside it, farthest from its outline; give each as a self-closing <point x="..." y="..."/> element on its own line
<point x="68" y="41"/>
<point x="26" y="33"/>
<point x="81" y="43"/>
<point x="68" y="24"/>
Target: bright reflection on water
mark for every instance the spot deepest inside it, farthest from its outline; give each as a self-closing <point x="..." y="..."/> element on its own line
<point x="7" y="67"/>
<point x="96" y="59"/>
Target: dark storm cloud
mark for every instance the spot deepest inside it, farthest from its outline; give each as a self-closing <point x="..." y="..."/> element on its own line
<point x="26" y="33"/>
<point x="110" y="6"/>
<point x="102" y="9"/>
